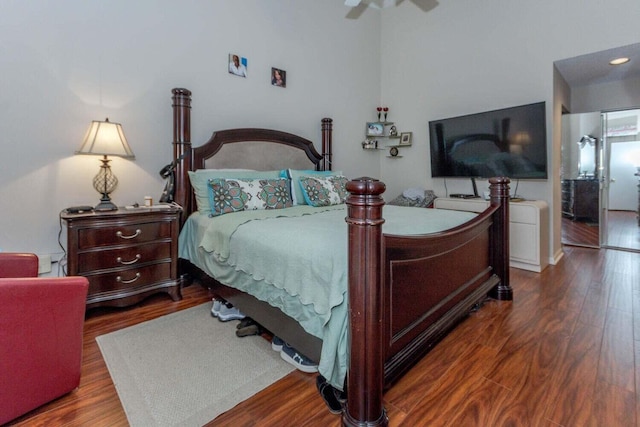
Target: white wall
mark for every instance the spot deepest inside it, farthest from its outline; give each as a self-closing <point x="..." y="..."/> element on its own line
<point x="616" y="95"/>
<point x="466" y="56"/>
<point x="67" y="63"/>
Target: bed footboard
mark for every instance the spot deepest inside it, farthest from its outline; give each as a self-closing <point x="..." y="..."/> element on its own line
<point x="406" y="293"/>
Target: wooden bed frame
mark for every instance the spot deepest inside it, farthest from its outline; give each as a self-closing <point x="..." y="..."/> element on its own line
<point x="405" y="293"/>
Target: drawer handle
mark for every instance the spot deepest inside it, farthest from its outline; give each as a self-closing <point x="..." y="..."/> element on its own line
<point x="133" y="261"/>
<point x="138" y="231"/>
<point x="126" y="282"/>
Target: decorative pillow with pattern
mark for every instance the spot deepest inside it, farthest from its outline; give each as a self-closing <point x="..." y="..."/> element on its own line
<point x="295" y="174"/>
<point x="324" y="191"/>
<point x="233" y="195"/>
<point x="200" y="182"/>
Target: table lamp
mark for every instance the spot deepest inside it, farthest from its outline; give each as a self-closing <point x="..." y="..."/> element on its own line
<point x="105" y="139"/>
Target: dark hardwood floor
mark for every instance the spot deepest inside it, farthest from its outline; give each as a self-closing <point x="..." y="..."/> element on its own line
<point x="622" y="231"/>
<point x="580" y="233"/>
<point x="565" y="352"/>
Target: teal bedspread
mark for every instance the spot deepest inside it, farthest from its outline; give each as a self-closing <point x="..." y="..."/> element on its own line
<point x="296" y="260"/>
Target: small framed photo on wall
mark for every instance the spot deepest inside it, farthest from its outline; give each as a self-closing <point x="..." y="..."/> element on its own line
<point x="238" y="65"/>
<point x="278" y="77"/>
<point x="405" y="138"/>
<point x="375" y="129"/>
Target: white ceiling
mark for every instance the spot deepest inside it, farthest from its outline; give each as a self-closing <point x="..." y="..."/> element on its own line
<point x="357" y="7"/>
<point x="594" y="68"/>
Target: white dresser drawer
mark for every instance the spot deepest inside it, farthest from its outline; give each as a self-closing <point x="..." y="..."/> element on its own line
<point x="526" y="214"/>
<point x="528" y="229"/>
<point x="520" y="244"/>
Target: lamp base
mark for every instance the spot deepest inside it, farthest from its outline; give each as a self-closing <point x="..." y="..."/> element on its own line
<point x="105" y="205"/>
<point x="104" y="183"/>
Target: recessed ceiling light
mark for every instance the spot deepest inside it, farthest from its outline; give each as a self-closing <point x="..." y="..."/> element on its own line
<point x="619" y="61"/>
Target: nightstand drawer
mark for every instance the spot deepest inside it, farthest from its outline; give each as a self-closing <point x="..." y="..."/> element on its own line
<point x="123" y="257"/>
<point x="123" y="234"/>
<point x="128" y="279"/>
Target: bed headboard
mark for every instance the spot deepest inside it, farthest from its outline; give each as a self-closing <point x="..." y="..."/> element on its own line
<point x="244" y="148"/>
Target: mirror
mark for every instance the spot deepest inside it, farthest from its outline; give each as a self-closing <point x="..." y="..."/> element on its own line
<point x="587" y="162"/>
<point x="580" y="186"/>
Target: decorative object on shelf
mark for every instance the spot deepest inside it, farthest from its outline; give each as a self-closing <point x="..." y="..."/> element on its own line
<point x="105" y="139"/>
<point x="393" y="151"/>
<point x="386" y="110"/>
<point x="379" y="109"/>
<point x="370" y="144"/>
<point x="405" y="138"/>
<point x="375" y="129"/>
<point x="393" y="131"/>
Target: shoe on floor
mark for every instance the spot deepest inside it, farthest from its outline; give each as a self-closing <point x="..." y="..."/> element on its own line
<point x="247" y="321"/>
<point x="215" y="308"/>
<point x="229" y="312"/>
<point x="329" y="395"/>
<point x="302" y="363"/>
<point x="276" y="344"/>
<point x="253" y="329"/>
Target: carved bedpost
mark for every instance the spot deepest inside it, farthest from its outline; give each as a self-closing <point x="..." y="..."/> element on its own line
<point x="499" y="189"/>
<point x="365" y="377"/>
<point x="182" y="145"/>
<point x="327" y="142"/>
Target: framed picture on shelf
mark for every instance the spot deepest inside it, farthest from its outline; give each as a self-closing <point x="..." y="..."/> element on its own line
<point x="375" y="129"/>
<point x="405" y="138"/>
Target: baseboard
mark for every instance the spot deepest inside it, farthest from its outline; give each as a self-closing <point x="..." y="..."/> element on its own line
<point x="557" y="257"/>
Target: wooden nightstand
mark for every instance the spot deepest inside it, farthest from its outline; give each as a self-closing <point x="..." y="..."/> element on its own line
<point x="126" y="254"/>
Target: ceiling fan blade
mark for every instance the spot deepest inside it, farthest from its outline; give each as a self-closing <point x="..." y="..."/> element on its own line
<point x="352" y="3"/>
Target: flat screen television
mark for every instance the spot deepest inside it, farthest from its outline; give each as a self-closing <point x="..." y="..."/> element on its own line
<point x="510" y="142"/>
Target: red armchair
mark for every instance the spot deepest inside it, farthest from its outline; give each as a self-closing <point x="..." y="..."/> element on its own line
<point x="41" y="321"/>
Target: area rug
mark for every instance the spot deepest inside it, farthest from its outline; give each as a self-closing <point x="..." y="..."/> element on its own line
<point x="186" y="368"/>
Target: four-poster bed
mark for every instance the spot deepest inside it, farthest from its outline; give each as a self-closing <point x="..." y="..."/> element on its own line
<point x="404" y="292"/>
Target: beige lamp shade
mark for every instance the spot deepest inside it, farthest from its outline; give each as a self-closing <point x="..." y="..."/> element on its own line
<point x="106" y="138"/>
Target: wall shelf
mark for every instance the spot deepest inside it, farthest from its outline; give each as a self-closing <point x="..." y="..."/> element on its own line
<point x="383" y="136"/>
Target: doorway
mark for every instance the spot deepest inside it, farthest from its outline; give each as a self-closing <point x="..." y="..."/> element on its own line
<point x="587" y="83"/>
<point x="600" y="193"/>
<point x="622" y="190"/>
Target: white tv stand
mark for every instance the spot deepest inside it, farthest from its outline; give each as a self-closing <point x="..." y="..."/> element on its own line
<point x="528" y="229"/>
